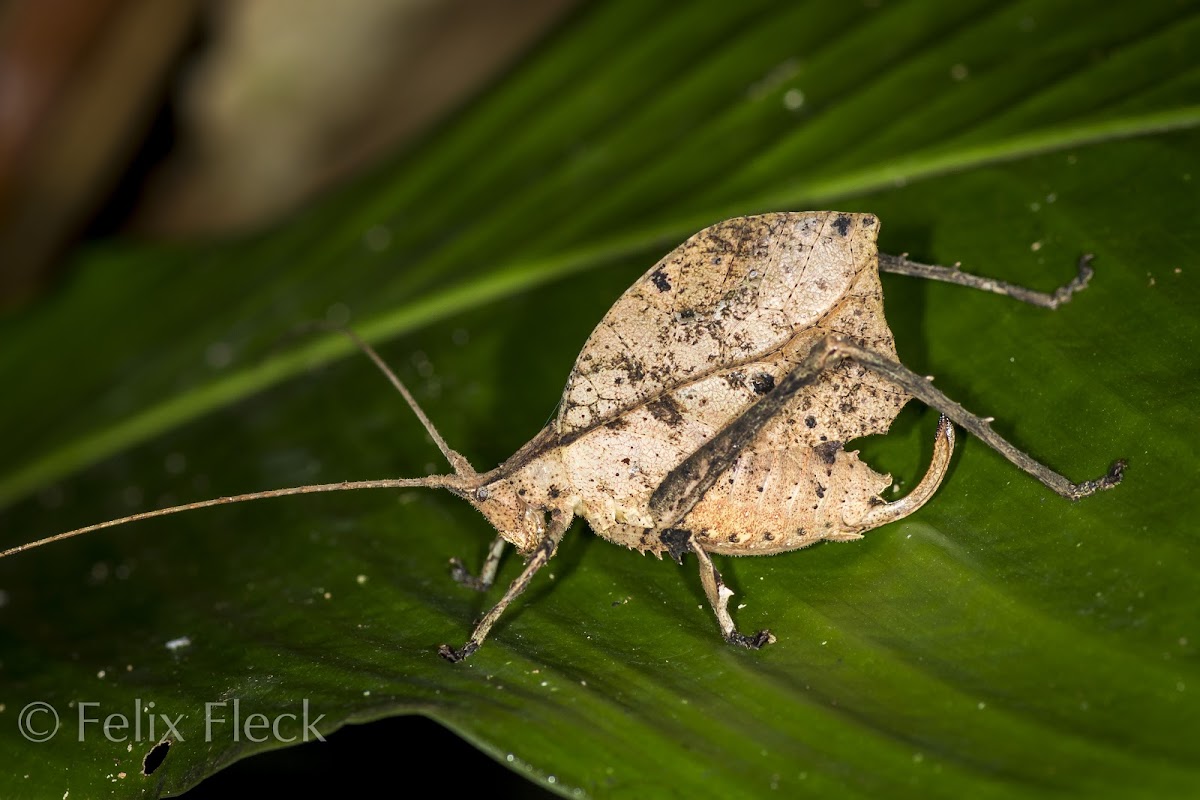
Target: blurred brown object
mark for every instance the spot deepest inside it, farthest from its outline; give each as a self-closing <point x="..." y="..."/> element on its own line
<point x="79" y="83"/>
<point x="294" y="94"/>
<point x="284" y="97"/>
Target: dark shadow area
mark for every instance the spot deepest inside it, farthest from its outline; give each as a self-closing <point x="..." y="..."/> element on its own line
<point x="358" y="759"/>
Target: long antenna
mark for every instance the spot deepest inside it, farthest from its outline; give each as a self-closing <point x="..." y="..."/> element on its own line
<point x="465" y="476"/>
<point x="456" y="459"/>
<point x="432" y="482"/>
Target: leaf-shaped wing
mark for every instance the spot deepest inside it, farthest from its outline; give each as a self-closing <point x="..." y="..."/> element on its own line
<point x="695" y="341"/>
<point x="731" y="294"/>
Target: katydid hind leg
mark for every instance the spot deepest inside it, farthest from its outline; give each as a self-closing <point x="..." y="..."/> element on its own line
<point x="686" y="484"/>
<point x="837" y="348"/>
<point x="939" y="465"/>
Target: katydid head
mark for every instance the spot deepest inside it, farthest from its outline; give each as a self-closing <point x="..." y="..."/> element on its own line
<point x="521" y="523"/>
<point x="522" y="494"/>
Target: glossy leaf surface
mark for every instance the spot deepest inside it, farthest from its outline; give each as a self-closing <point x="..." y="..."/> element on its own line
<point x="1000" y="643"/>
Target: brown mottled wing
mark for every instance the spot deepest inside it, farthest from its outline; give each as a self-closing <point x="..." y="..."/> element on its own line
<point x="729" y="295"/>
<point x="777" y="498"/>
<point x="706" y="332"/>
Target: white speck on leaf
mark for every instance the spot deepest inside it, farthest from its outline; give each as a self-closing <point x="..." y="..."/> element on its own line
<point x="175" y="645"/>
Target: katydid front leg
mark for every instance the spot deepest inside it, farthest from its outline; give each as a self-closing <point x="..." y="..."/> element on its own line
<point x="559" y="522"/>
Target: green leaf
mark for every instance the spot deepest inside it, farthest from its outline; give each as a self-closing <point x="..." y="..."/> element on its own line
<point x="1002" y="642"/>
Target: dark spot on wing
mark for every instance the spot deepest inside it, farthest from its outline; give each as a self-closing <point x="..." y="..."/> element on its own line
<point x="660" y="281"/>
<point x="762" y="383"/>
<point x="842" y="225"/>
<point x="633" y="368"/>
<point x="664" y="410"/>
<point x="828" y="451"/>
<point x="810" y="421"/>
